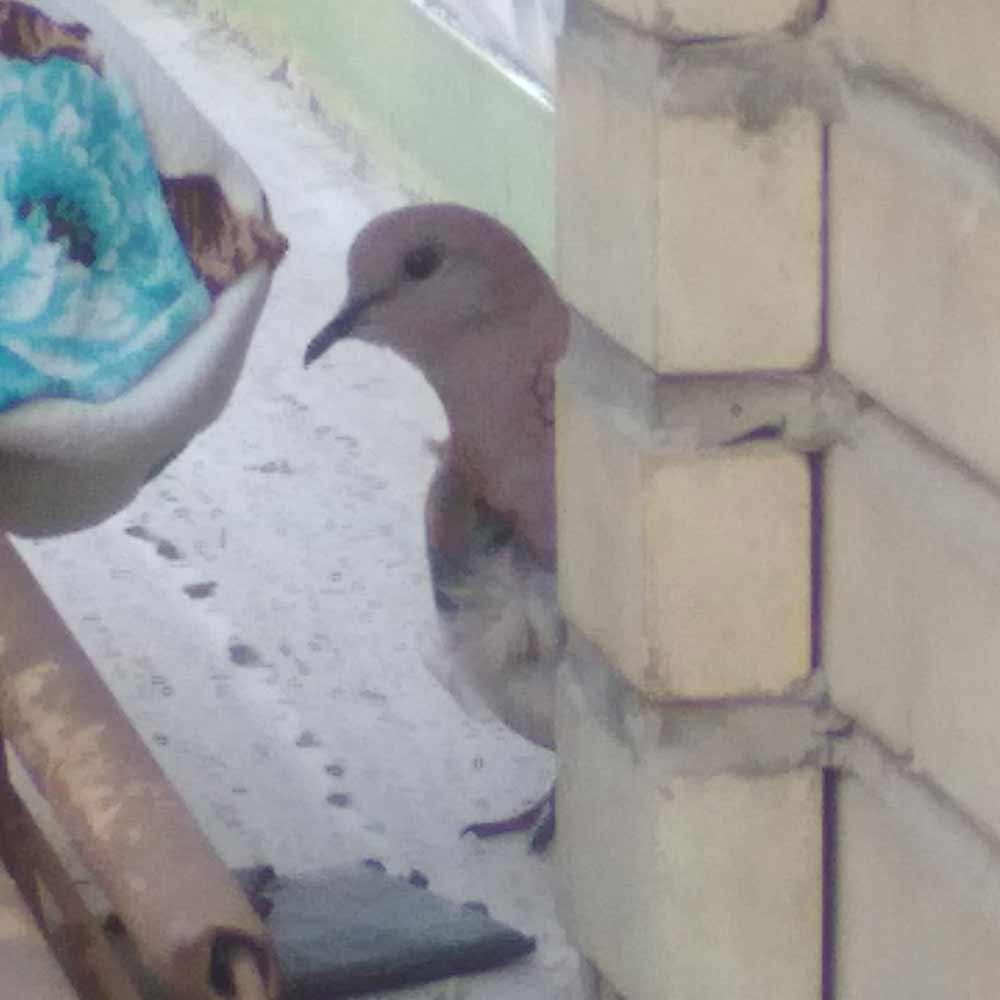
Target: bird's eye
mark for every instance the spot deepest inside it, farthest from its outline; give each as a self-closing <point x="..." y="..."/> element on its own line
<point x="422" y="262"/>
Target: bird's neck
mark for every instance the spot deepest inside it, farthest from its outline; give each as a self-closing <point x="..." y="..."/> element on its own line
<point x="503" y="443"/>
<point x="499" y="399"/>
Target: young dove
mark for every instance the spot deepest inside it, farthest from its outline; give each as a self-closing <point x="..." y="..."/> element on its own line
<point x="458" y="295"/>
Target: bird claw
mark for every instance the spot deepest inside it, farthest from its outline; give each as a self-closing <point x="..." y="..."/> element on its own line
<point x="545" y="831"/>
<point x="539" y="817"/>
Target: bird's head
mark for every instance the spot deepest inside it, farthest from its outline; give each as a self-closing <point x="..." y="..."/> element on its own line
<point x="438" y="284"/>
<point x="459" y="296"/>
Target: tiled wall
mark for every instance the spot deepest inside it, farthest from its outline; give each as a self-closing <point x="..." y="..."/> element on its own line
<point x="779" y="484"/>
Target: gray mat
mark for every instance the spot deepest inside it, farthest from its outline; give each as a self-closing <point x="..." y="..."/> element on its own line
<point x="356" y="929"/>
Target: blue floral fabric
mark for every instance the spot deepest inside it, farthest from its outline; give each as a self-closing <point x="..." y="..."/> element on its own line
<point x="95" y="286"/>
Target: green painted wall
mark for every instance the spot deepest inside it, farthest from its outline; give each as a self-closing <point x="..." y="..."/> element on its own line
<point x="445" y="120"/>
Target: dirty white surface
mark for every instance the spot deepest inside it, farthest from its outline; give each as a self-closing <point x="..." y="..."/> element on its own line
<point x="262" y="609"/>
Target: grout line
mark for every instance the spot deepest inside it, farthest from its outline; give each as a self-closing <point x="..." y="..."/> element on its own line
<point x="823" y="356"/>
<point x="817" y="528"/>
<point x="828" y="942"/>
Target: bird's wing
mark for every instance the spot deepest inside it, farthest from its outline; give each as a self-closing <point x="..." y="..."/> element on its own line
<point x="462" y="529"/>
<point x="498" y="609"/>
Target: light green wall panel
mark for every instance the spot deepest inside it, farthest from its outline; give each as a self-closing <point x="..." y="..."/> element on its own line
<point x="445" y="119"/>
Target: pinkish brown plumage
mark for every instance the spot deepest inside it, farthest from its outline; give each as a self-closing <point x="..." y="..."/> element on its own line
<point x="458" y="295"/>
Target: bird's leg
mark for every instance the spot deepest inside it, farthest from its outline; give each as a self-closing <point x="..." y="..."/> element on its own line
<point x="539" y="816"/>
<point x="545" y="830"/>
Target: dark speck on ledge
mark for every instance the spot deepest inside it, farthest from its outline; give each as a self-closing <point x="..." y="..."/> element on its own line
<point x="168" y="550"/>
<point x="163" y="548"/>
<point x="243" y="655"/>
<point x="339" y="799"/>
<point x="269" y="468"/>
<point x="197" y="591"/>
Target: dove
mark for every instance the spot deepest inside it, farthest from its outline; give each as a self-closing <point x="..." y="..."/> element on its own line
<point x="459" y="296"/>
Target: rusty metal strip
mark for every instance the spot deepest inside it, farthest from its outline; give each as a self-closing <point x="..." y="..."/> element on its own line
<point x="183" y="910"/>
<point x="27" y="967"/>
<point x="15" y="854"/>
<point x="247" y="983"/>
<point x="93" y="966"/>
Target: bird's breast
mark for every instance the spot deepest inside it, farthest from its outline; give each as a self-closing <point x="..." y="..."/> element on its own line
<point x="505" y="637"/>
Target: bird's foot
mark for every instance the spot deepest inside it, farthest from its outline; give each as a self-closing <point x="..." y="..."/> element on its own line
<point x="539" y="817"/>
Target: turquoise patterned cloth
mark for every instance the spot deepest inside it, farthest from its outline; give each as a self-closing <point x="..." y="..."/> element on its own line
<point x="95" y="286"/>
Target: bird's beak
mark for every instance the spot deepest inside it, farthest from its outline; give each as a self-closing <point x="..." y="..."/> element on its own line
<point x="338" y="328"/>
